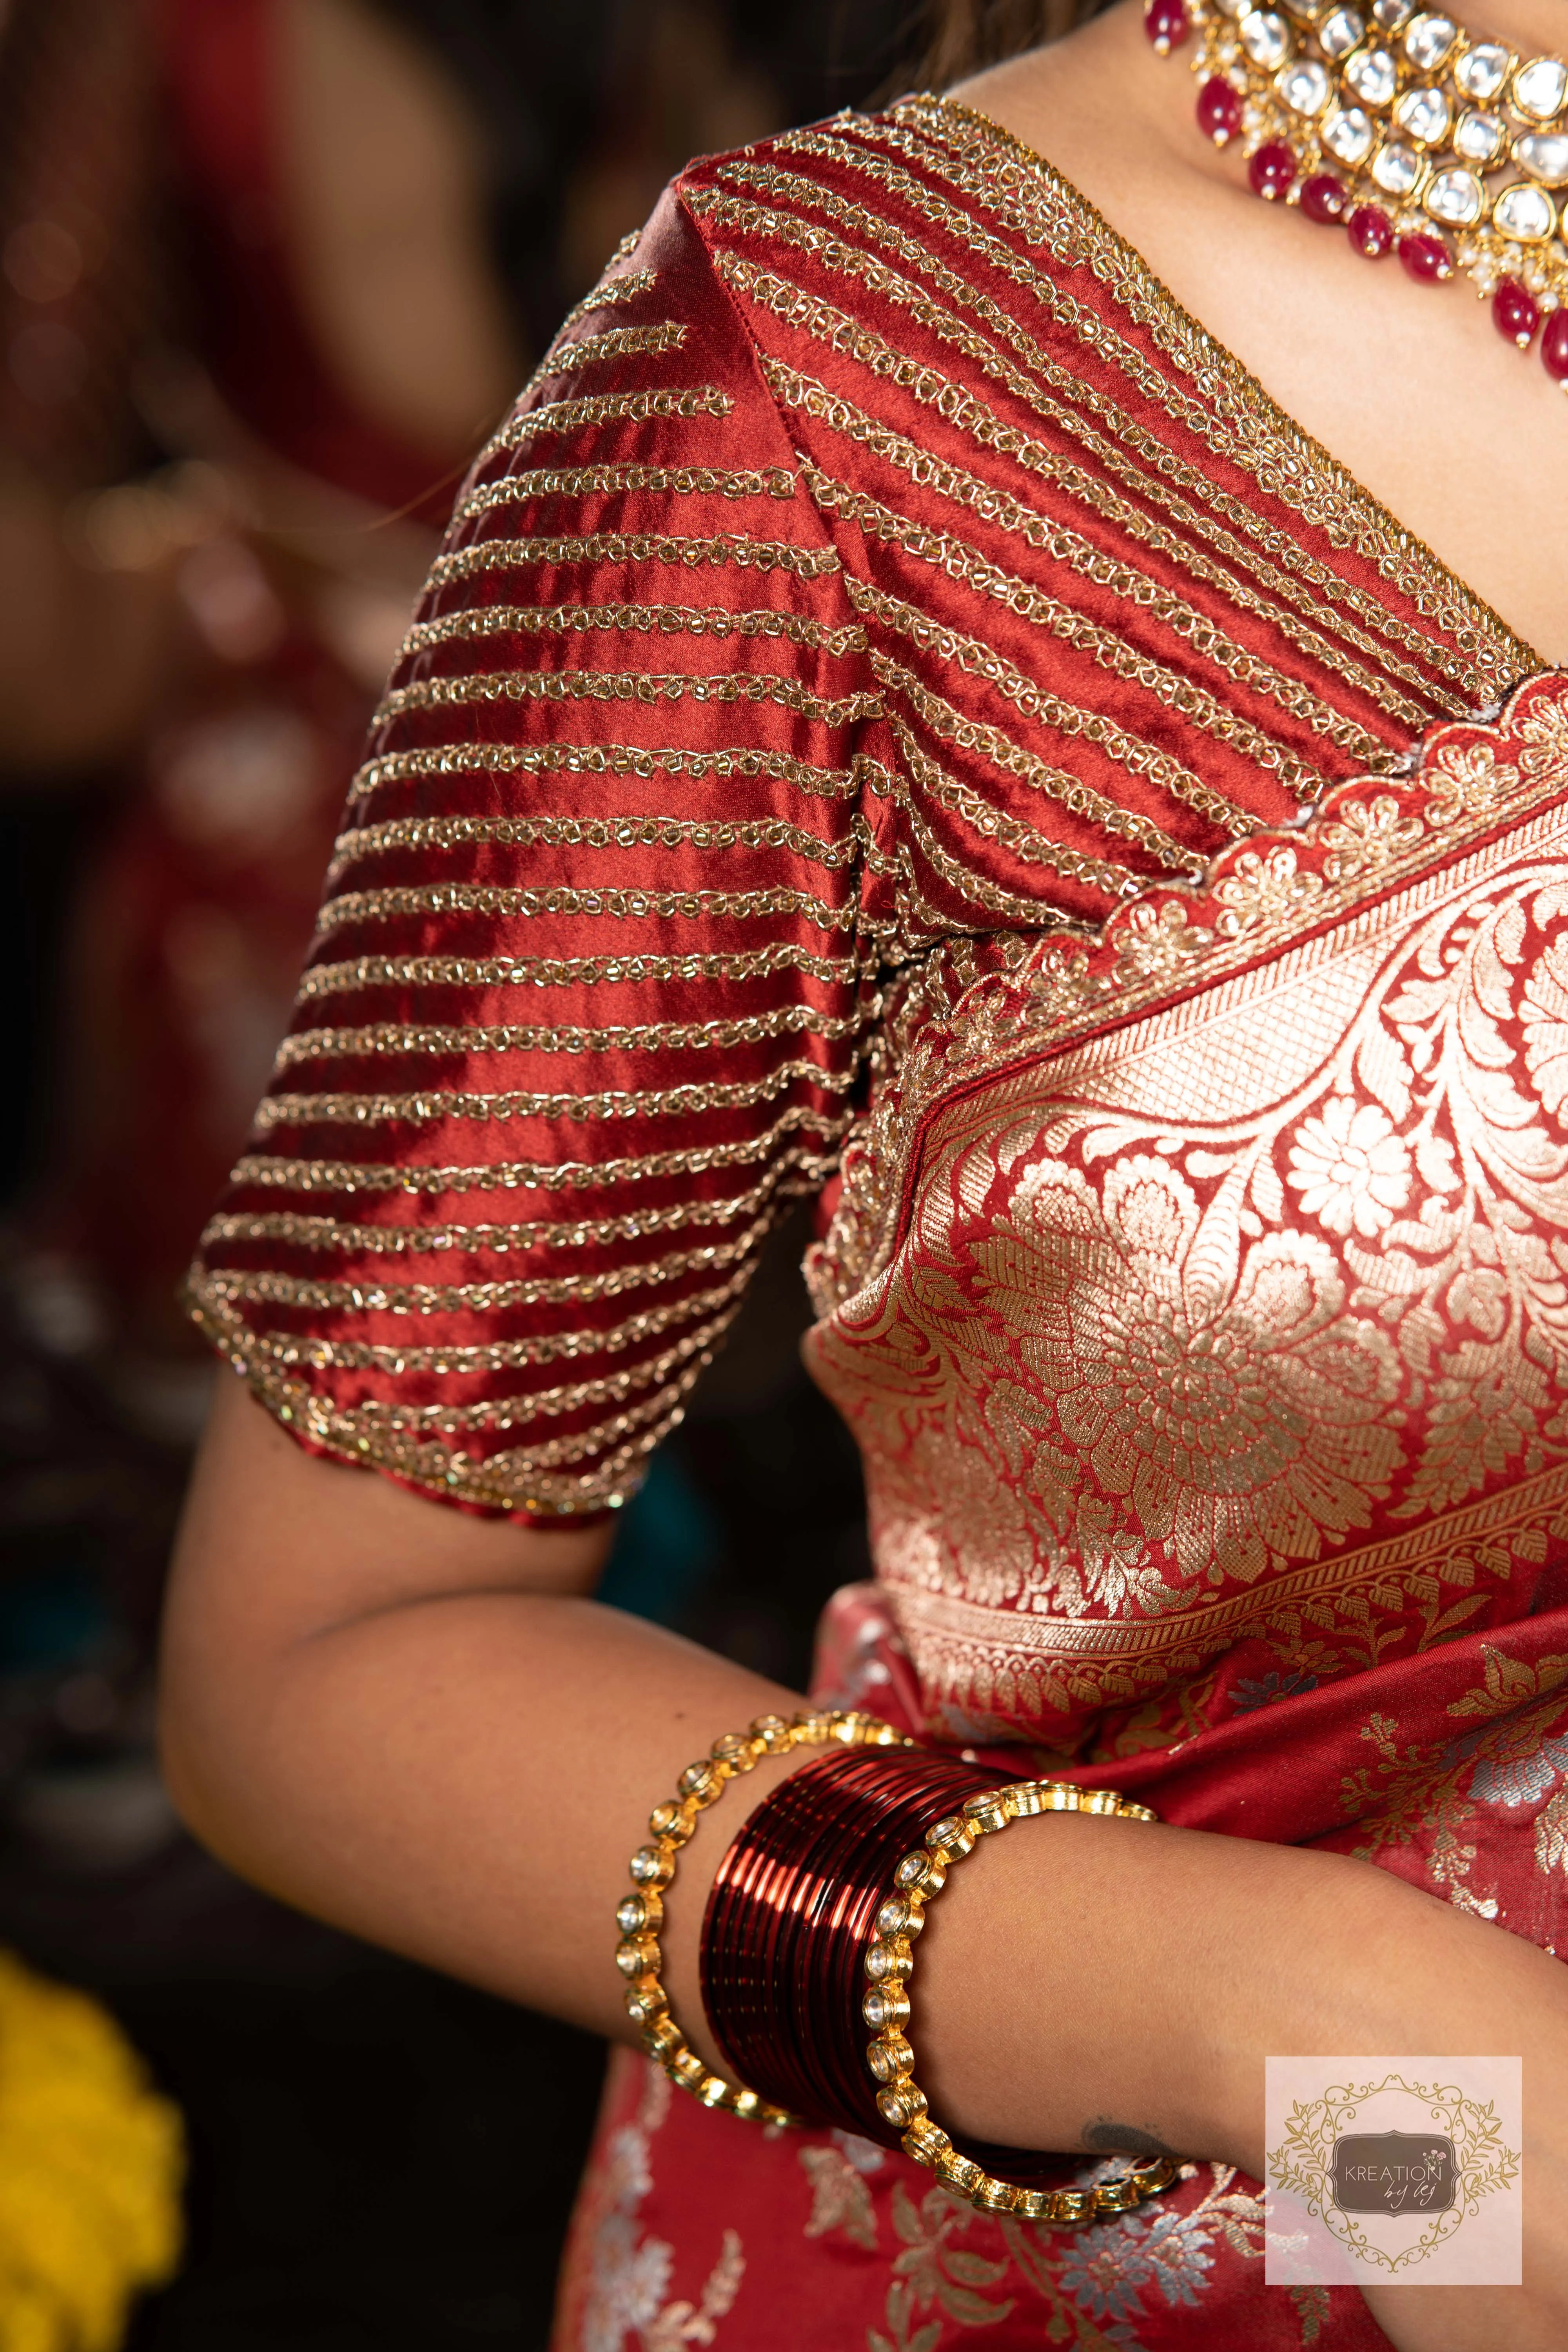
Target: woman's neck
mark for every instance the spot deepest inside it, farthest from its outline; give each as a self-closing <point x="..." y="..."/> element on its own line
<point x="1338" y="342"/>
<point x="1534" y="26"/>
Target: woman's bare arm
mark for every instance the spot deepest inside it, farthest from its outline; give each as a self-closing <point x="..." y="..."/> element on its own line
<point x="415" y="1723"/>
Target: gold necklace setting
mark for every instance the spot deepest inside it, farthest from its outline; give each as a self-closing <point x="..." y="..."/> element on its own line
<point x="1414" y="137"/>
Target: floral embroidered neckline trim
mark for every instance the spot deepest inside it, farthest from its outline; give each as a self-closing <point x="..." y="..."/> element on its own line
<point x="1469" y="778"/>
<point x="1502" y="656"/>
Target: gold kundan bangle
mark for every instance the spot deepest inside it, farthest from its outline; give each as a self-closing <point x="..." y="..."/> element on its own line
<point x="670" y="1825"/>
<point x="889" y="1964"/>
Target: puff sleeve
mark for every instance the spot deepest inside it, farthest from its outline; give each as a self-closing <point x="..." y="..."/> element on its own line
<point x="594" y="971"/>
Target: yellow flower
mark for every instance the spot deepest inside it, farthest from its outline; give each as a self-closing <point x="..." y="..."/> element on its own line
<point x="1350" y="1168"/>
<point x="90" y="2164"/>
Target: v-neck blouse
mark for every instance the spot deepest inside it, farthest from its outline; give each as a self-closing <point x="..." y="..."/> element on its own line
<point x="881" y="565"/>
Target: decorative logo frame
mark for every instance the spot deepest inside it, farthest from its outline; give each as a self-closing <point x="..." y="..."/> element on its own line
<point x="1443" y="2128"/>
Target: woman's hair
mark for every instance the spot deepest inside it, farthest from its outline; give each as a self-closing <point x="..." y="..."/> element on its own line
<point x="961" y="36"/>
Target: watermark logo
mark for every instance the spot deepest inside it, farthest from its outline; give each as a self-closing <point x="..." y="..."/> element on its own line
<point x="1393" y="2172"/>
<point x="1391" y="2169"/>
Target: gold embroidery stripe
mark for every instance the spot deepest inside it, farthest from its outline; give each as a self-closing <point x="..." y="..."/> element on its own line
<point x="567" y="357"/>
<point x="1113" y="653"/>
<point x="633" y="546"/>
<point x="961" y="561"/>
<point x="607" y="295"/>
<point x="277" y="1173"/>
<point x="436" y="1103"/>
<point x="1238" y="418"/>
<point x="365" y="1295"/>
<point x="626" y="686"/>
<point x="812" y="316"/>
<point x="652" y="1037"/>
<point x="253" y="1350"/>
<point x="603" y="759"/>
<point x="648" y="620"/>
<point x="545" y="1456"/>
<point x="590" y="833"/>
<point x="490" y="898"/>
<point x="996" y="506"/>
<point x="528" y="1406"/>
<point x="1034" y="848"/>
<point x="607" y="408"/>
<point x="788" y="1176"/>
<point x="382" y="1434"/>
<point x="1280" y="554"/>
<point x="1130" y="751"/>
<point x="1079" y="799"/>
<point x="605" y="481"/>
<point x="509" y="1481"/>
<point x="357" y="972"/>
<point x="493" y="1356"/>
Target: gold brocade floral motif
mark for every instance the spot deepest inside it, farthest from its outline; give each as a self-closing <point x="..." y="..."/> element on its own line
<point x="1255" y="1302"/>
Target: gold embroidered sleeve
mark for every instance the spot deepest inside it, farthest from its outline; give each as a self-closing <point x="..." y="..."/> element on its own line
<point x="593" y="972"/>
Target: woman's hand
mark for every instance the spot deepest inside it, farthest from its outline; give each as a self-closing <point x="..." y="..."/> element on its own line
<point x="1099" y="1984"/>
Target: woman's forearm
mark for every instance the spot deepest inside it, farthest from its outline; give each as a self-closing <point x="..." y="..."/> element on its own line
<point x="438" y="1753"/>
<point x="464" y="1780"/>
<point x="383" y="1713"/>
<point x="1104" y="1983"/>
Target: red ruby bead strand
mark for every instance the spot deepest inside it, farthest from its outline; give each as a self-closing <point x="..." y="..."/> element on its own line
<point x="1272" y="171"/>
<point x="1165" y="22"/>
<point x="1514" y="313"/>
<point x="1323" y="199"/>
<point x="1427" y="259"/>
<point x="1371" y="231"/>
<point x="1219" y="111"/>
<point x="1554" y="347"/>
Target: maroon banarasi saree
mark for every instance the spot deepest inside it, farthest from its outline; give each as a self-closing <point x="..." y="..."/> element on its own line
<point x="902" y="717"/>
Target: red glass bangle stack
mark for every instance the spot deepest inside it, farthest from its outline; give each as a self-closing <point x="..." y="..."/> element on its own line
<point x="1392" y="122"/>
<point x="808" y="1942"/>
<point x="785" y="1934"/>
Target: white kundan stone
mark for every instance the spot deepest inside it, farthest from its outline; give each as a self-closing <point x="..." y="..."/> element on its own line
<point x="1482" y="71"/>
<point x="1429" y="40"/>
<point x="1526" y="212"/>
<point x="1478" y="136"/>
<point x="1339" y="31"/>
<point x="1305" y="86"/>
<point x="1373" y="76"/>
<point x="1455" y="198"/>
<point x="1544" y="155"/>
<point x="1398" y="170"/>
<point x="1541" y="89"/>
<point x="1265" y="38"/>
<point x="1347" y="134"/>
<point x="1425" y="115"/>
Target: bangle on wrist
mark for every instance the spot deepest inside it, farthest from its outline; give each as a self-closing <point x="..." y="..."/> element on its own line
<point x="825" y="1888"/>
<point x="671" y="1825"/>
<point x="917" y="1880"/>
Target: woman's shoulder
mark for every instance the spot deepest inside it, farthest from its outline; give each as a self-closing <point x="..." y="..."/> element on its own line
<point x="920" y="181"/>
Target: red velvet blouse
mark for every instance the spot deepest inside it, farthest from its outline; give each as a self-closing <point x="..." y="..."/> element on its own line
<point x="880" y="558"/>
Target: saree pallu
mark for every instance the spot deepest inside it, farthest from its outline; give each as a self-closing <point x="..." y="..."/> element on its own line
<point x="1198" y="1300"/>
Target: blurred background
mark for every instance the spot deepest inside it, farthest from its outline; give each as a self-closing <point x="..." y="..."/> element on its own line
<point x="270" y="271"/>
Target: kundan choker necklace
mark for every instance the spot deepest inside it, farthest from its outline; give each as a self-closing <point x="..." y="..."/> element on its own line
<point x="1393" y="123"/>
